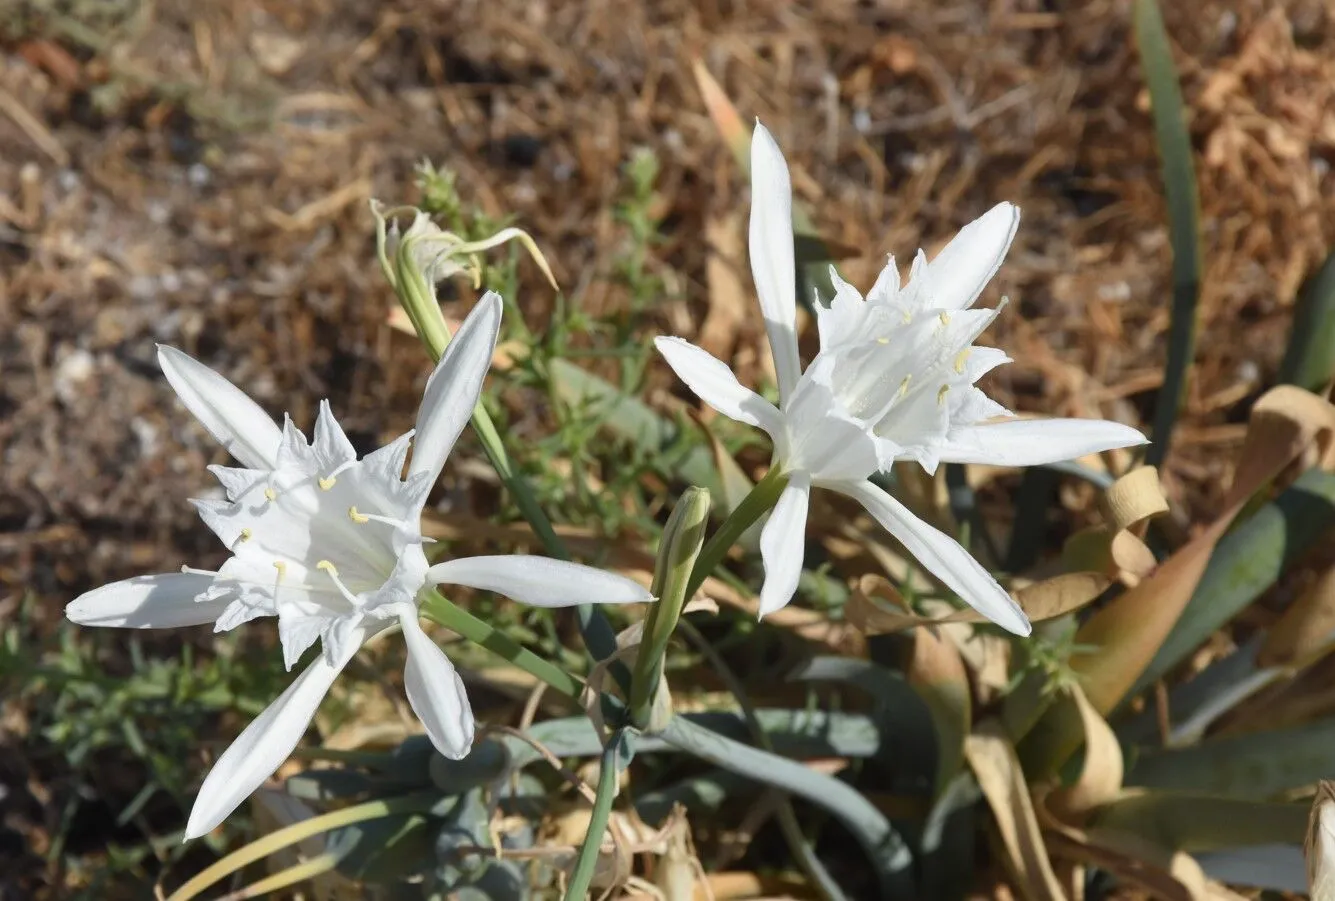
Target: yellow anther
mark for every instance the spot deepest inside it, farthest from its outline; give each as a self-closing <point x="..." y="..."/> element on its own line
<point x="882" y="340"/>
<point x="960" y="359"/>
<point x="270" y="495"/>
<point x="246" y="535"/>
<point x="358" y="518"/>
<point x="327" y="567"/>
<point x="282" y="569"/>
<point x="944" y="317"/>
<point x="326" y="484"/>
<point x="941" y="395"/>
<point x="904" y="386"/>
<point x="908" y="317"/>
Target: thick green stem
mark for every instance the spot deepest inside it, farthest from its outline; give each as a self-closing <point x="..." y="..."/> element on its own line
<point x="756" y="504"/>
<point x="587" y="861"/>
<point x="437" y="609"/>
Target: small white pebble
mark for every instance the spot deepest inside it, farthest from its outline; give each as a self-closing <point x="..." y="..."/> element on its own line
<point x="71" y="372"/>
<point x="146" y="434"/>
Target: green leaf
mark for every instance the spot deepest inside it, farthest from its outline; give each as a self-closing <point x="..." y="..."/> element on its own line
<point x="1309" y="360"/>
<point x="1200" y="822"/>
<point x="899" y="711"/>
<point x="1179" y="178"/>
<point x="1246" y="562"/>
<point x="634" y="422"/>
<point x="1256" y="766"/>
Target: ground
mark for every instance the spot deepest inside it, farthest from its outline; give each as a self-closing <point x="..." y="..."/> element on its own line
<point x="199" y="175"/>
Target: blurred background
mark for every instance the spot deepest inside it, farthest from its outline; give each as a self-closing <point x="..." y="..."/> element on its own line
<point x="199" y="175"/>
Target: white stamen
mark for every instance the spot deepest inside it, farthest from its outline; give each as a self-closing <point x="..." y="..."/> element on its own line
<point x="328" y="481"/>
<point x="330" y="570"/>
<point x="361" y="518"/>
<point x="960" y="359"/>
<point x="191" y="571"/>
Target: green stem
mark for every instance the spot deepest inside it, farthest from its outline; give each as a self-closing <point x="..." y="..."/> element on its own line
<point x="596" y="631"/>
<point x="438" y="609"/>
<point x="802" y="851"/>
<point x="756" y="504"/>
<point x="587" y="861"/>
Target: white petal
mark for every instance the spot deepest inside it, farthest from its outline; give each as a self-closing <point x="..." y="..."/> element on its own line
<point x="783" y="544"/>
<point x="1031" y="442"/>
<point x="540" y="581"/>
<point x="942" y="555"/>
<point x="436" y="692"/>
<point x="713" y="382"/>
<point x="236" y="421"/>
<point x="823" y="439"/>
<point x="264" y="745"/>
<point x="332" y="447"/>
<point x="164" y="601"/>
<point x="236" y="482"/>
<point x="844" y="318"/>
<point x="454" y="387"/>
<point x="772" y="265"/>
<point x="961" y="271"/>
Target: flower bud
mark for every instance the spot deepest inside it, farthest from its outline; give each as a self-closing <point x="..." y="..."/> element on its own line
<point x="677" y="552"/>
<point x="426" y="254"/>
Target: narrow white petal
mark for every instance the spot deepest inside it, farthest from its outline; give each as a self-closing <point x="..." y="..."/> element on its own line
<point x="454" y="387"/>
<point x="942" y="555"/>
<point x="772" y="264"/>
<point x="713" y="382"/>
<point x="331" y="445"/>
<point x="540" y="581"/>
<point x="264" y="745"/>
<point x="1031" y="442"/>
<point x="961" y="271"/>
<point x="783" y="544"/>
<point x="436" y="692"/>
<point x="236" y="421"/>
<point x="164" y="601"/>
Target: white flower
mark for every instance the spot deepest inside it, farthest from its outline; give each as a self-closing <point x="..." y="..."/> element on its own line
<point x="333" y="547"/>
<point x="894" y="380"/>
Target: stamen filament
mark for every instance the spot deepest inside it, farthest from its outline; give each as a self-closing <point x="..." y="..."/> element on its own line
<point x="192" y="571"/>
<point x="362" y="518"/>
<point x="328" y="481"/>
<point x="330" y="570"/>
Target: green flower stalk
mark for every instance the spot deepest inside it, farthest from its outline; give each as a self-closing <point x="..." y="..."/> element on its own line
<point x="677" y="553"/>
<point x="426" y="254"/>
<point x="413" y="263"/>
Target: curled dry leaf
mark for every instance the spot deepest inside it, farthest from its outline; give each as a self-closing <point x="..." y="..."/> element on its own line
<point x="997" y="769"/>
<point x="937" y="672"/>
<point x="1115" y="547"/>
<point x="1162" y="872"/>
<point x="1319" y="845"/>
<point x="1286" y="424"/>
<point x="1101" y="772"/>
<point x="1040" y="601"/>
<point x="1306" y="631"/>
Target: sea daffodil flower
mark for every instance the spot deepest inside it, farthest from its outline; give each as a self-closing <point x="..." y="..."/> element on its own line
<point x="893" y="380"/>
<point x="332" y="546"/>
